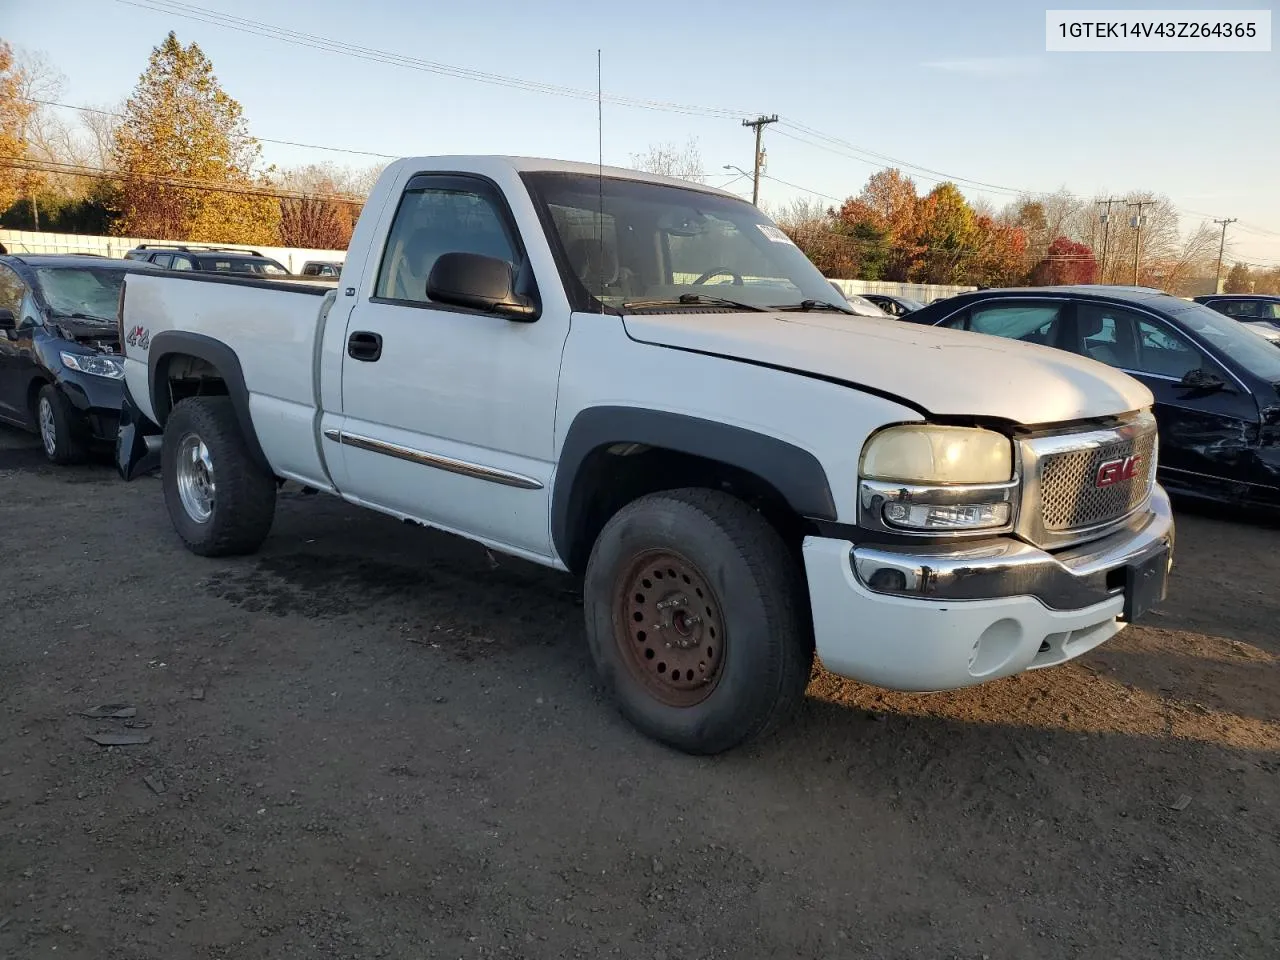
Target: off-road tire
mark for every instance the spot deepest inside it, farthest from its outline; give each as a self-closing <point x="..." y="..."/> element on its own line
<point x="767" y="647"/>
<point x="244" y="500"/>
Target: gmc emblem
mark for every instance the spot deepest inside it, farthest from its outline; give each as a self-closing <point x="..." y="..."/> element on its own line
<point x="1113" y="471"/>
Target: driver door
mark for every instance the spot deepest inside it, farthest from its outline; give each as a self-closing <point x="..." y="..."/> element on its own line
<point x="13" y="358"/>
<point x="448" y="413"/>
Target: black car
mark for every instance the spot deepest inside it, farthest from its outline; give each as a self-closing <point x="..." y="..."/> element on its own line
<point x="322" y="268"/>
<point x="212" y="259"/>
<point x="1216" y="384"/>
<point x="895" y="306"/>
<point x="1260" y="311"/>
<point x="60" y="367"/>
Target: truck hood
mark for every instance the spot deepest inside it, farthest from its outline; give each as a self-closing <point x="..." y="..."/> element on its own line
<point x="942" y="371"/>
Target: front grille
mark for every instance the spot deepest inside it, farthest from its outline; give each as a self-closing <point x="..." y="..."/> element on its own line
<point x="1070" y="498"/>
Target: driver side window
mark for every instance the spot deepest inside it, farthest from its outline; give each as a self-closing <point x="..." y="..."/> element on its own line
<point x="12" y="291"/>
<point x="439" y="215"/>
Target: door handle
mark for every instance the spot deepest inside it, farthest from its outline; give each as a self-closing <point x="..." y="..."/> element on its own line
<point x="363" y="345"/>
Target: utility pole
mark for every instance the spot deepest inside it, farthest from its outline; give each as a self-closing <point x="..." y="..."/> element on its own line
<point x="759" y="123"/>
<point x="1136" y="222"/>
<point x="1106" y="235"/>
<point x="1222" y="244"/>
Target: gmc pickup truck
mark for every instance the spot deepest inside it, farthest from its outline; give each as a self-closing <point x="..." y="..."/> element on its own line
<point x="646" y="383"/>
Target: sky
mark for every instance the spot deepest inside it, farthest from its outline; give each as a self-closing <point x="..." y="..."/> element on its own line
<point x="947" y="90"/>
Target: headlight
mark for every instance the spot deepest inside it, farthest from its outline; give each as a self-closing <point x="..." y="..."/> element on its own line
<point x="925" y="454"/>
<point x="931" y="480"/>
<point x="97" y="364"/>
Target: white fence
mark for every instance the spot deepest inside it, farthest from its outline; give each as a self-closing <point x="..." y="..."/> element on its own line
<point x="923" y="292"/>
<point x="37" y="241"/>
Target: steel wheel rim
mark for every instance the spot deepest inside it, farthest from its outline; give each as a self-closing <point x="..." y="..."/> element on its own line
<point x="669" y="628"/>
<point x="196" y="488"/>
<point x="48" y="427"/>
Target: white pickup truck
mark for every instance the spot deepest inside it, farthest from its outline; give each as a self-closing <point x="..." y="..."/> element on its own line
<point x="645" y="382"/>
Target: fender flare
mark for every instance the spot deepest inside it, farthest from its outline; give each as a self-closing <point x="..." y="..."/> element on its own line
<point x="793" y="471"/>
<point x="171" y="343"/>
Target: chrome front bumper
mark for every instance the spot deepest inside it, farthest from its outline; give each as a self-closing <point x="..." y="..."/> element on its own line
<point x="1070" y="579"/>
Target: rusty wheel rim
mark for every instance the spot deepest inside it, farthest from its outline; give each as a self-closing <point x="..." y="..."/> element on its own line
<point x="668" y="628"/>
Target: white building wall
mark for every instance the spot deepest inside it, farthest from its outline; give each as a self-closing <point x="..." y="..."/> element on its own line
<point x="924" y="292"/>
<point x="38" y="241"/>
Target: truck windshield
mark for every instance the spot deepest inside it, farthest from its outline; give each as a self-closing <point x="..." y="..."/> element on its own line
<point x="636" y="246"/>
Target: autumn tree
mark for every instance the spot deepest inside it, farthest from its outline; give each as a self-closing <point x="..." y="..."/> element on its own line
<point x="1265" y="281"/>
<point x="946" y="233"/>
<point x="882" y="222"/>
<point x="1000" y="256"/>
<point x="324" y="214"/>
<point x="1065" y="262"/>
<point x="1238" y="279"/>
<point x="15" y="113"/>
<point x="186" y="159"/>
<point x="811" y="227"/>
<point x="670" y="160"/>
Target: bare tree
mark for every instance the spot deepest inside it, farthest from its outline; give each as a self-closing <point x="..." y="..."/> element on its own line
<point x="669" y="160"/>
<point x="98" y="132"/>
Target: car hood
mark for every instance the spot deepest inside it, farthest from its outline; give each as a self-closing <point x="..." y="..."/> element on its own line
<point x="944" y="372"/>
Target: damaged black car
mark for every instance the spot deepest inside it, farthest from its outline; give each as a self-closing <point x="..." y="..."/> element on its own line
<point x="1216" y="383"/>
<point x="61" y="373"/>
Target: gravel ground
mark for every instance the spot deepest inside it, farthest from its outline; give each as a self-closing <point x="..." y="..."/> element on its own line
<point x="372" y="741"/>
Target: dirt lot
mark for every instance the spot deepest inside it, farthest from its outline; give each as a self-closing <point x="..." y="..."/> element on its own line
<point x="369" y="741"/>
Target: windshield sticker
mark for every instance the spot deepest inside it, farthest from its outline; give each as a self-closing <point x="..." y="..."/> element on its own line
<point x="773" y="233"/>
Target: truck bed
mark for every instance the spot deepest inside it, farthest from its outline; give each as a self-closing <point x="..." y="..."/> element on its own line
<point x="272" y="326"/>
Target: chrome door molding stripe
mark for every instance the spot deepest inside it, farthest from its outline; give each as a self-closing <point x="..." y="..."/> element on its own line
<point x="449" y="464"/>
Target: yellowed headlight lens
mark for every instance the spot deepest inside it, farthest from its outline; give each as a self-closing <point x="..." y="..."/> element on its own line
<point x="933" y="454"/>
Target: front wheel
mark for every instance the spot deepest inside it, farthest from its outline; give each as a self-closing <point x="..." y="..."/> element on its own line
<point x="695" y="619"/>
<point x="61" y="432"/>
<point x="220" y="501"/>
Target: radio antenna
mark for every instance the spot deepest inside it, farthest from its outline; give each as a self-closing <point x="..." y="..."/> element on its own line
<point x="600" y="174"/>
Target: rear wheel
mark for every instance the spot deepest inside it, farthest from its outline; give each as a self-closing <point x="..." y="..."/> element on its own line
<point x="220" y="501"/>
<point x="61" y="432"/>
<point x="695" y="619"/>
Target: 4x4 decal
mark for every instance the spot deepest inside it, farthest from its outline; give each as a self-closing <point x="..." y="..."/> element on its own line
<point x="139" y="337"/>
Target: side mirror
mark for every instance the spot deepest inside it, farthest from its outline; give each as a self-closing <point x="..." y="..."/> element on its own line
<point x="1202" y="380"/>
<point x="479" y="282"/>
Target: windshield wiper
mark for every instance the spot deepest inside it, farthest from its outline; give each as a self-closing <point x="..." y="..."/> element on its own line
<point x="806" y="305"/>
<point x="693" y="300"/>
<point x="85" y="316"/>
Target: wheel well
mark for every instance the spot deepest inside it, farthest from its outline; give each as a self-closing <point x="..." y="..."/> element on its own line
<point x="613" y="475"/>
<point x="33" y="392"/>
<point x="179" y="376"/>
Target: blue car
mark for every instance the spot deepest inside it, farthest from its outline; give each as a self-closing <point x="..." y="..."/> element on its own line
<point x="61" y="374"/>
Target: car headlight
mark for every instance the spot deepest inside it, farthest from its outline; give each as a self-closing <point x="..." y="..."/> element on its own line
<point x="929" y="479"/>
<point x="95" y="364"/>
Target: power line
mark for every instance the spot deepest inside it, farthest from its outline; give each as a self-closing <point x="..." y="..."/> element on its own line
<point x="270" y="31"/>
<point x="287" y="143"/>
<point x="184" y="183"/>
<point x="796" y="186"/>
